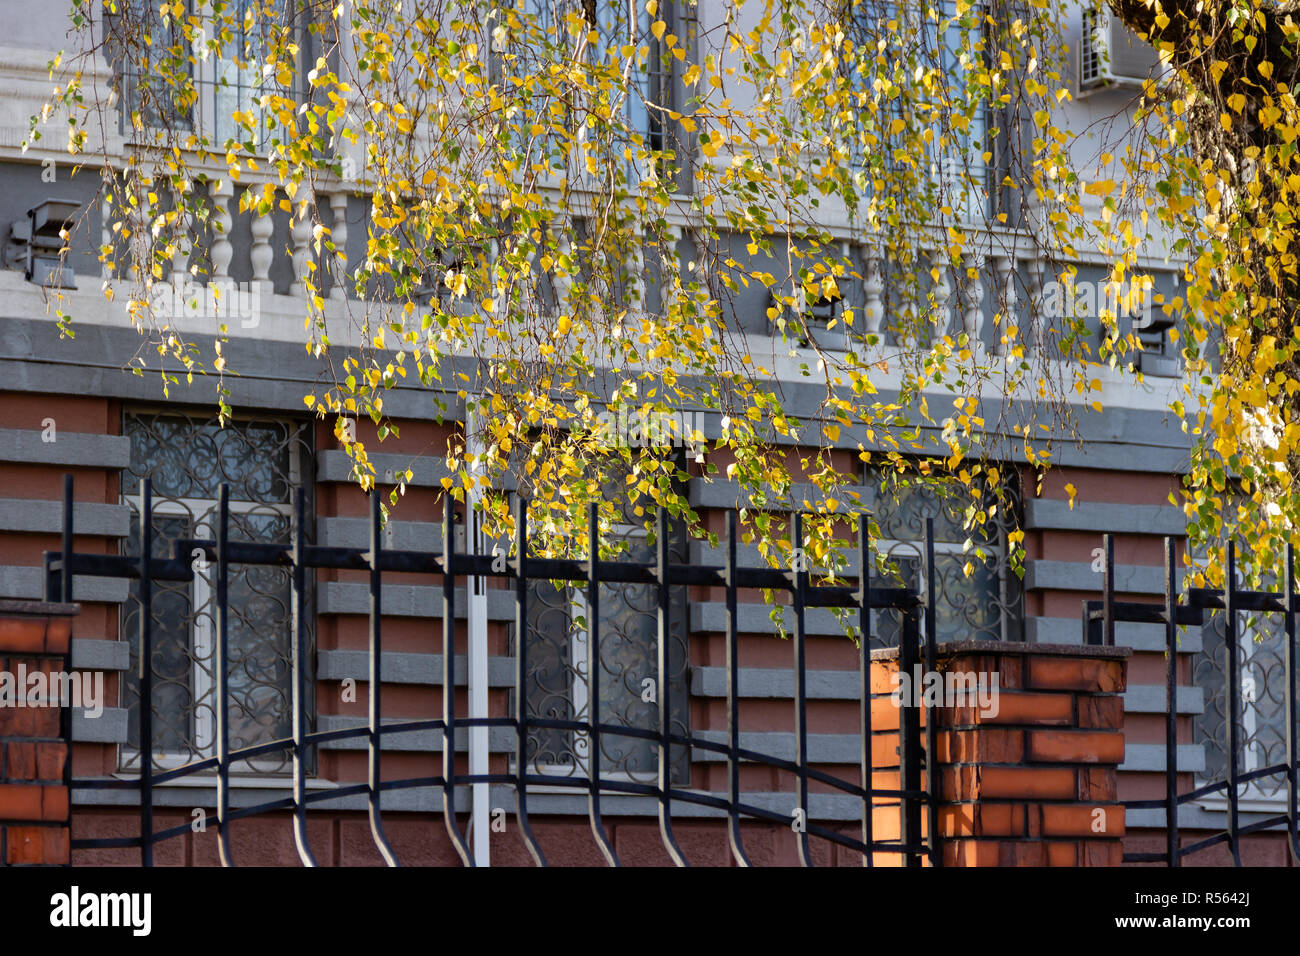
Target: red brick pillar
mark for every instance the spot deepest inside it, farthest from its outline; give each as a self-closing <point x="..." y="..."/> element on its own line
<point x="1029" y="778"/>
<point x="35" y="637"/>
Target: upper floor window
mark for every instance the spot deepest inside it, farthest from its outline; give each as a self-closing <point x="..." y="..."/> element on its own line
<point x="196" y="83"/>
<point x="923" y="37"/>
<point x="187" y="460"/>
<point x="527" y="27"/>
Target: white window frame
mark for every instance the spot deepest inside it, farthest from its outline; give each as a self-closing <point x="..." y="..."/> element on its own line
<point x="206" y="80"/>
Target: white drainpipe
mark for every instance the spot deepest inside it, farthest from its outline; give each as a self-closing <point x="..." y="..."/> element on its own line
<point x="480" y="817"/>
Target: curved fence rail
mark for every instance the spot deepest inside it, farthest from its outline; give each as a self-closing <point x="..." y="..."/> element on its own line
<point x="917" y="793"/>
<point x="1099" y="619"/>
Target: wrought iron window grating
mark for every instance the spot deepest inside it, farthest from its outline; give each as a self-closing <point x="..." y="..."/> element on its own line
<point x="1099" y="619"/>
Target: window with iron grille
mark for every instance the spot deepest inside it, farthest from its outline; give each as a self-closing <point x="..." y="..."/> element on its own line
<point x="144" y="49"/>
<point x="1261" y="717"/>
<point x="187" y="459"/>
<point x="979" y="597"/>
<point x="560" y="686"/>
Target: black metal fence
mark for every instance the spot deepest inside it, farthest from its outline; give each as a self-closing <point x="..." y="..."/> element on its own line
<point x="1190" y="609"/>
<point x="916" y="795"/>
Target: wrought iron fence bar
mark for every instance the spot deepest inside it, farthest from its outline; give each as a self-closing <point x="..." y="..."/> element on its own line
<point x="65" y="578"/>
<point x="593" y="686"/>
<point x="221" y="667"/>
<point x="1204" y="844"/>
<point x="1267" y="601"/>
<point x="521" y="569"/>
<point x="733" y="698"/>
<point x="931" y="665"/>
<point x="1133" y="612"/>
<point x="1292" y="710"/>
<point x="909" y="744"/>
<point x="663" y="691"/>
<point x="797" y="564"/>
<point x="109" y="843"/>
<point x="301" y="840"/>
<point x="1171" y="704"/>
<point x="374" y="741"/>
<point x="145" y="701"/>
<point x="449" y="681"/>
<point x="864" y="676"/>
<point x="177" y="568"/>
<point x="1234" y="694"/>
<point x="1108" y="591"/>
<point x="1267" y="823"/>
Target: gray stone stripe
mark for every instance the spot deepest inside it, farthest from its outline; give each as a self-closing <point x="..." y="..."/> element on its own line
<point x="1079" y="576"/>
<point x="277" y="374"/>
<point x="409" y="668"/>
<point x="91" y="654"/>
<point x="775" y="682"/>
<point x="108" y="728"/>
<point x="822" y="748"/>
<point x="778" y="683"/>
<point x="1150" y="758"/>
<point x="1140" y="637"/>
<point x="1150" y="699"/>
<point x="25" y="446"/>
<point x="1190" y="816"/>
<point x="30" y="583"/>
<point x="752" y="618"/>
<point x="727" y="494"/>
<point x="405" y="535"/>
<point x="335" y="465"/>
<point x="500" y="739"/>
<point x="23" y="514"/>
<point x="1102" y="517"/>
<point x="747" y="556"/>
<point x="406" y="600"/>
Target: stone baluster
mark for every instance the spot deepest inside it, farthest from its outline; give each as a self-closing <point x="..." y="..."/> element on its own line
<point x="261" y="255"/>
<point x="306" y="281"/>
<point x="873" y="287"/>
<point x="972" y="320"/>
<point x="180" y="243"/>
<point x="942" y="291"/>
<point x="339" y="233"/>
<point x="222" y="222"/>
<point x="107" y="238"/>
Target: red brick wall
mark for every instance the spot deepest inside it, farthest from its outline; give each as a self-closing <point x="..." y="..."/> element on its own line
<point x="1035" y="783"/>
<point x="34" y="810"/>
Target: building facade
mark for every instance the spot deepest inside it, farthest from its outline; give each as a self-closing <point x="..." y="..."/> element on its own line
<point x="69" y="405"/>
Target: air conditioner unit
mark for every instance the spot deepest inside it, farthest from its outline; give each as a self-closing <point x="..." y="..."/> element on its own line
<point x="1111" y="55"/>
